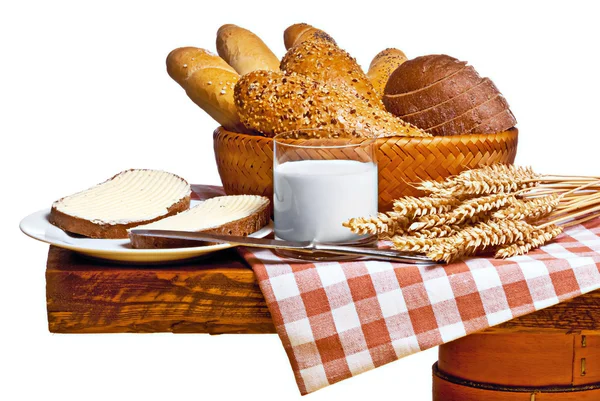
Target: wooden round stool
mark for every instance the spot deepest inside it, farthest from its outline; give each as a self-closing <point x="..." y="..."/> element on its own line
<point x="552" y="354"/>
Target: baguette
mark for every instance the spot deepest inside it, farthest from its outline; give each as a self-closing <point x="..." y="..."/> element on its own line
<point x="325" y="62"/>
<point x="382" y="66"/>
<point x="299" y="33"/>
<point x="209" y="81"/>
<point x="129" y="199"/>
<point x="273" y="102"/>
<point x="244" y="51"/>
<point x="239" y="215"/>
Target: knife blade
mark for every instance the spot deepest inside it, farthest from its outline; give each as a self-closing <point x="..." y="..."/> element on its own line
<point x="303" y="246"/>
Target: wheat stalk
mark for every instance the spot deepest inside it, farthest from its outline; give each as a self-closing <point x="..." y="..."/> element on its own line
<point x="444" y="230"/>
<point x="469" y="211"/>
<point x="383" y="224"/>
<point x="494" y="179"/>
<point x="530" y="209"/>
<point x="477" y="238"/>
<point x="411" y="206"/>
<point x="478" y="210"/>
<point x="414" y="244"/>
<point x="538" y="238"/>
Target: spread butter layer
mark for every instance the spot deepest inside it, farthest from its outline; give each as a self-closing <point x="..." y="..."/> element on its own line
<point x="133" y="195"/>
<point x="211" y="213"/>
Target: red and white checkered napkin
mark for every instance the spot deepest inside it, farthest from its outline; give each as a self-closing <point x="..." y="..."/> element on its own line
<point x="339" y="319"/>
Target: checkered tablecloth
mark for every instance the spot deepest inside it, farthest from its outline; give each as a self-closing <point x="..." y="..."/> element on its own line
<point x="339" y="319"/>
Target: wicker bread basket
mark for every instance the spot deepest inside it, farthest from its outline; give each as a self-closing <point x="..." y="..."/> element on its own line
<point x="245" y="162"/>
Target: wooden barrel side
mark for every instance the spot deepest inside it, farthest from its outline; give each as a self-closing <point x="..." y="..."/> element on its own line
<point x="448" y="388"/>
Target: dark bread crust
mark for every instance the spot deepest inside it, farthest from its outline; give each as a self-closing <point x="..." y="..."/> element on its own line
<point x="432" y="95"/>
<point x="497" y="123"/>
<point x="471" y="118"/>
<point x="454" y="107"/>
<point x="241" y="227"/>
<point x="90" y="229"/>
<point x="421" y="72"/>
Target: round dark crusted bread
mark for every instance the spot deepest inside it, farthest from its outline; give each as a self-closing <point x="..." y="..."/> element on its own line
<point x="471" y="118"/>
<point x="497" y="123"/>
<point x="432" y="95"/>
<point x="454" y="107"/>
<point x="421" y="72"/>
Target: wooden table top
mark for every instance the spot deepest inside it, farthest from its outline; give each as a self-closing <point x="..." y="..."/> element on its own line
<point x="217" y="294"/>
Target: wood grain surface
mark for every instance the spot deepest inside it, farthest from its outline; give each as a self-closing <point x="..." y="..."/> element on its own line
<point x="447" y="390"/>
<point x="515" y="359"/>
<point x="214" y="295"/>
<point x="218" y="294"/>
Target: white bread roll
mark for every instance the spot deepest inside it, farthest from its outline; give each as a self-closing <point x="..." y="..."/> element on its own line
<point x="244" y="51"/>
<point x="209" y="81"/>
<point x="382" y="66"/>
<point x="300" y="33"/>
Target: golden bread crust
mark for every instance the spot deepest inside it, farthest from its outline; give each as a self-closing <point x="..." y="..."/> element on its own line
<point x="209" y="81"/>
<point x="273" y="102"/>
<point x="325" y="62"/>
<point x="382" y="66"/>
<point x="244" y="50"/>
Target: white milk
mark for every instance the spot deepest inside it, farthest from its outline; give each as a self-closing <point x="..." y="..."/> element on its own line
<point x="314" y="197"/>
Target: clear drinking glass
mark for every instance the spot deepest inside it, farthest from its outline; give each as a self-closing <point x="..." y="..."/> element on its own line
<point x="319" y="182"/>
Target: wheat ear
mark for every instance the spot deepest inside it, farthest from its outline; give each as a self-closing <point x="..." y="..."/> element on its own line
<point x="471" y="240"/>
<point x="411" y="206"/>
<point x="467" y="212"/>
<point x="414" y="244"/>
<point x="538" y="238"/>
<point x="531" y="209"/>
<point x="494" y="179"/>
<point x="383" y="224"/>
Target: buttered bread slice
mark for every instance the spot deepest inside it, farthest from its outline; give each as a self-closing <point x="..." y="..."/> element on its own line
<point x="128" y="199"/>
<point x="228" y="215"/>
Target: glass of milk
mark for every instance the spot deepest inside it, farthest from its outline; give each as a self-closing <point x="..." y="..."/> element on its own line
<point x="321" y="181"/>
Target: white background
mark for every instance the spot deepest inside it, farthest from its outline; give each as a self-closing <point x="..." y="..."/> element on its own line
<point x="84" y="94"/>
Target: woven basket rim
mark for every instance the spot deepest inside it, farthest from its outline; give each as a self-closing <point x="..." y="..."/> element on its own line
<point x="514" y="131"/>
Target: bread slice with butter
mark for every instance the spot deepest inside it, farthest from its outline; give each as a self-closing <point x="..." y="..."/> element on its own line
<point x="128" y="199"/>
<point x="238" y="215"/>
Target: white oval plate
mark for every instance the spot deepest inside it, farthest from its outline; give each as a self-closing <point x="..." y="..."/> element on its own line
<point x="38" y="226"/>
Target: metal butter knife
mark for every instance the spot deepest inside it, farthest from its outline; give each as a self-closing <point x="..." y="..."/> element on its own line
<point x="302" y="246"/>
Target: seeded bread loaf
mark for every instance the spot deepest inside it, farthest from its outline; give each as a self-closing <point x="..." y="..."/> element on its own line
<point x="208" y="80"/>
<point x="244" y="51"/>
<point x="326" y="63"/>
<point x="382" y="66"/>
<point x="273" y="102"/>
<point x="239" y="215"/>
<point x="299" y="33"/>
<point x="128" y="199"/>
